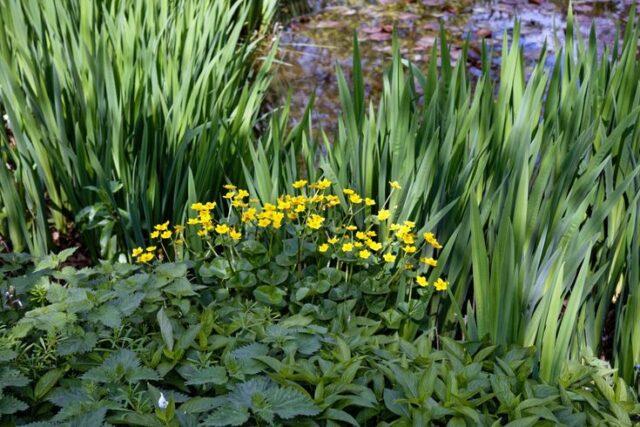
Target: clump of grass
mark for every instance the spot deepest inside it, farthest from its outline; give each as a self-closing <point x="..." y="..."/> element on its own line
<point x="122" y="112"/>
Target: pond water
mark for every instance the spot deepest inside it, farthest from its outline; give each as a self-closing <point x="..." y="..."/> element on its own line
<point x="321" y="36"/>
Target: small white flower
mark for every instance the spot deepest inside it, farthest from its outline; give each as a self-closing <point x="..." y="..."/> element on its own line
<point x="162" y="402"/>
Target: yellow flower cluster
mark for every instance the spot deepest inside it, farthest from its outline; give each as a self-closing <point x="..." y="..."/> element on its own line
<point x="306" y="211"/>
<point x="143" y="255"/>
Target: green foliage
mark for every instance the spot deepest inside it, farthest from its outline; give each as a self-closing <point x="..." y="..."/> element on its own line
<point x="531" y="179"/>
<point x="121" y="112"/>
<point x="234" y="361"/>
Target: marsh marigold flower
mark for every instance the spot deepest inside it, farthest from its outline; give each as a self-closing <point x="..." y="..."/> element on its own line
<point x="155" y="234"/>
<point x="383" y="214"/>
<point x="430" y="238"/>
<point x="389" y="257"/>
<point x="235" y="235"/>
<point x="395" y="185"/>
<point x="369" y="202"/>
<point x="374" y="246"/>
<point x="222" y="228"/>
<point x="137" y="251"/>
<point x="323" y="248"/>
<point x="166" y="234"/>
<point x="364" y="254"/>
<point x="300" y="183"/>
<point x="323" y="184"/>
<point x="441" y="285"/>
<point x="355" y="199"/>
<point x="162" y="227"/>
<point x="347" y="247"/>
<point x="429" y="261"/>
<point x="315" y="221"/>
<point x="145" y="257"/>
<point x="422" y="281"/>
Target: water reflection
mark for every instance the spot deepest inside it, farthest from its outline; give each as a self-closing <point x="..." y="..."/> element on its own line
<point x="312" y="44"/>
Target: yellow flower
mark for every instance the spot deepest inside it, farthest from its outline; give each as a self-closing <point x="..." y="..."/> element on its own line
<point x="145" y="257"/>
<point x="395" y="185"/>
<point x="323" y="184"/>
<point x="389" y="257"/>
<point x="150" y="248"/>
<point x="284" y="205"/>
<point x="410" y="224"/>
<point x="229" y="195"/>
<point x="137" y="251"/>
<point x="300" y="183"/>
<point x="162" y="227"/>
<point x="422" y="281"/>
<point x="441" y="285"/>
<point x="276" y="219"/>
<point x="155" y="234"/>
<point x="315" y="221"/>
<point x="408" y="239"/>
<point x="348" y="192"/>
<point x="229" y="187"/>
<point x="323" y="248"/>
<point x="264" y="222"/>
<point x="202" y="232"/>
<point x="410" y="249"/>
<point x="429" y="261"/>
<point x="333" y="240"/>
<point x="178" y="228"/>
<point x="369" y="202"/>
<point x="332" y="200"/>
<point x="355" y="199"/>
<point x="242" y="194"/>
<point x="235" y="234"/>
<point x="222" y="228"/>
<point x="357" y="244"/>
<point x="166" y="234"/>
<point x="238" y="203"/>
<point x="361" y="235"/>
<point x="347" y="247"/>
<point x="431" y="239"/>
<point x="197" y="206"/>
<point x="351" y="228"/>
<point x="383" y="214"/>
<point x="249" y="215"/>
<point x="210" y="205"/>
<point x="192" y="221"/>
<point x="364" y="254"/>
<point x="372" y="233"/>
<point x="374" y="246"/>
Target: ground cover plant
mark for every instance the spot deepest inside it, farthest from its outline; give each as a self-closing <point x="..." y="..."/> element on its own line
<point x="266" y="323"/>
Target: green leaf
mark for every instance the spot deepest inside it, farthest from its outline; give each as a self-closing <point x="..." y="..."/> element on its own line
<point x="288" y="403"/>
<point x="47" y="382"/>
<point x="166" y="329"/>
<point x="269" y="294"/>
<point x="210" y="375"/>
<point x="227" y="415"/>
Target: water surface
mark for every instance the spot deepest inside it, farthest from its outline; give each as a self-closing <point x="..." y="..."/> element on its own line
<point x="314" y="42"/>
